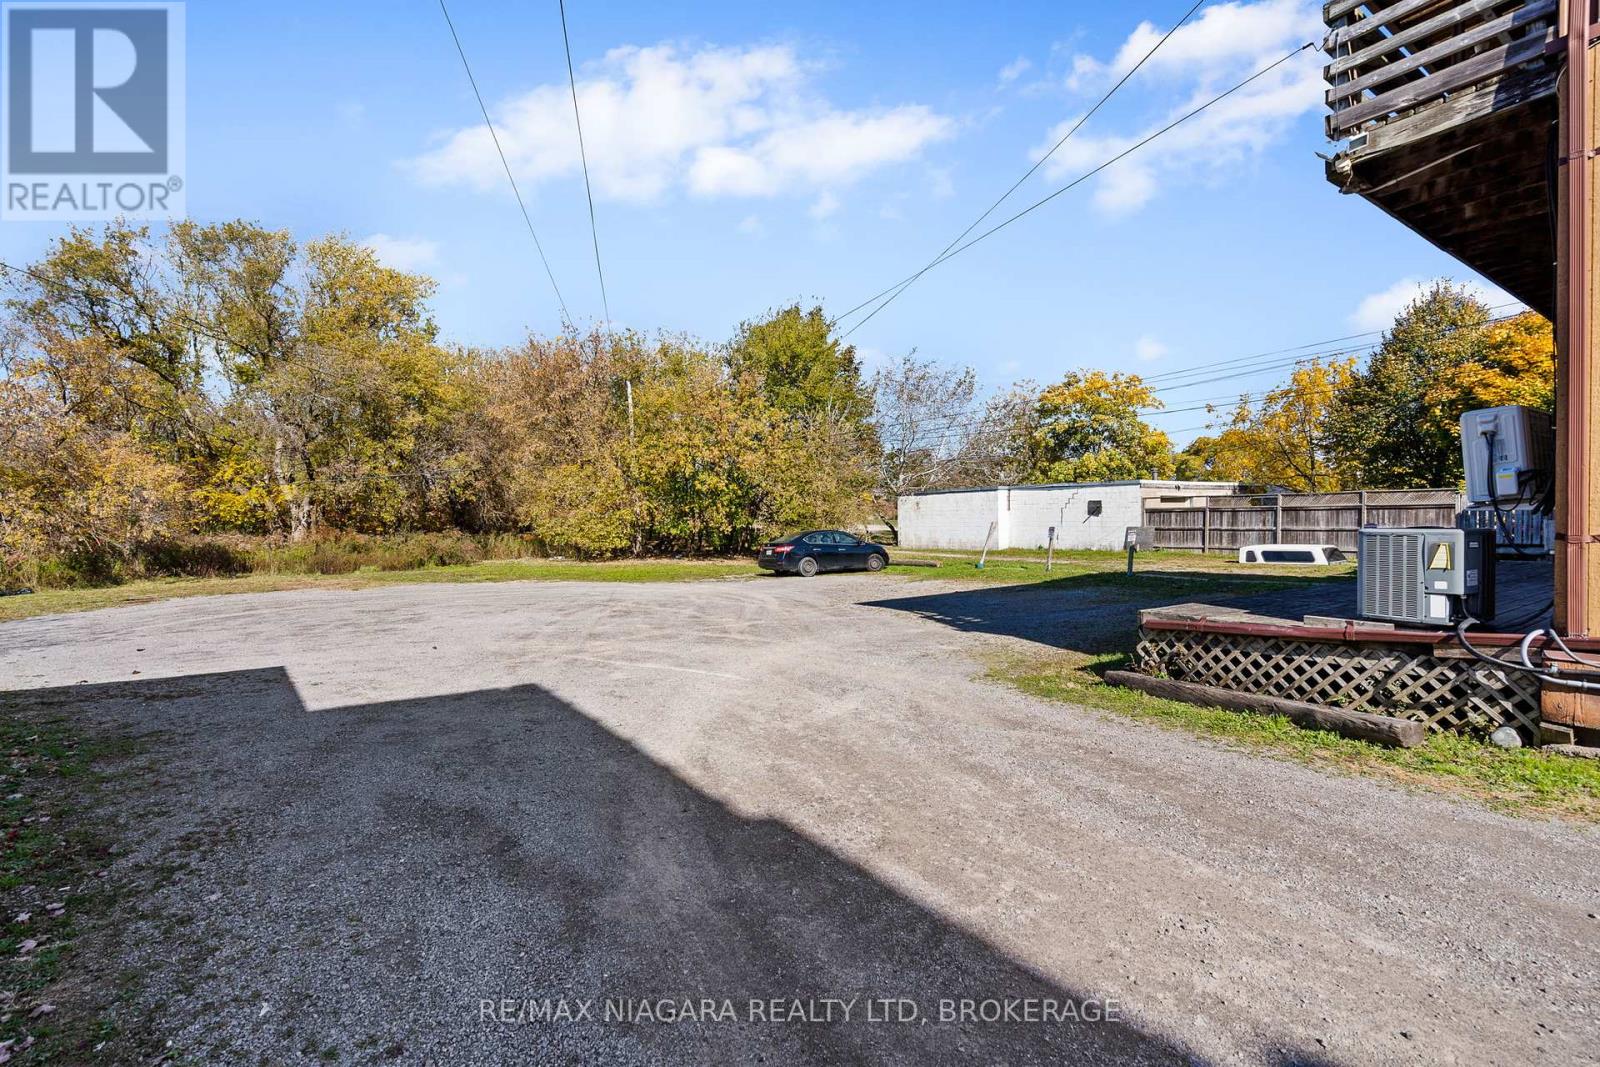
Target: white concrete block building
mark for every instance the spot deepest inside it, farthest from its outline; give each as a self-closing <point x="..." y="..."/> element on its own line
<point x="1085" y="515"/>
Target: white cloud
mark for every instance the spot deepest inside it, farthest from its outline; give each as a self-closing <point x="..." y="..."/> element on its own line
<point x="1015" y="69"/>
<point x="833" y="149"/>
<point x="1148" y="349"/>
<point x="1086" y="71"/>
<point x="1225" y="45"/>
<point x="717" y="122"/>
<point x="1241" y="31"/>
<point x="1379" y="310"/>
<point x="403" y="253"/>
<point x="825" y="206"/>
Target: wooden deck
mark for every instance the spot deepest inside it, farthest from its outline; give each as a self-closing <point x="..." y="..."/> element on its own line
<point x="1327" y="610"/>
<point x="1305" y="645"/>
<point x="1446" y="110"/>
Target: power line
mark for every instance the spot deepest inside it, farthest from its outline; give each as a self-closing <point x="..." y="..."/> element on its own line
<point x="462" y="52"/>
<point x="1198" y="368"/>
<point x="1087" y="115"/>
<point x="975" y="418"/>
<point x="900" y="287"/>
<point x="583" y="155"/>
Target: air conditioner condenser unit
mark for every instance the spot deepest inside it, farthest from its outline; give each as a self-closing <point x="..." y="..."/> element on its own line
<point x="1425" y="576"/>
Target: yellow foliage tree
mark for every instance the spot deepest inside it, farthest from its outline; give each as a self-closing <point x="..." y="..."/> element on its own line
<point x="1089" y="430"/>
<point x="1281" y="440"/>
<point x="1517" y="365"/>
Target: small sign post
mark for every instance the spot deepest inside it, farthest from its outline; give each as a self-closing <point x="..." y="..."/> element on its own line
<point x="1137" y="538"/>
<point x="1050" y="551"/>
<point x="988" y="537"/>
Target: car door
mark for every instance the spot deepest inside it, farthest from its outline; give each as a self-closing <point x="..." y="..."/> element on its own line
<point x="853" y="552"/>
<point x="821" y="546"/>
<point x="832" y="552"/>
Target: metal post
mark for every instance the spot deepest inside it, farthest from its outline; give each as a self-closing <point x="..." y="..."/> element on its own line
<point x="983" y="557"/>
<point x="1050" y="551"/>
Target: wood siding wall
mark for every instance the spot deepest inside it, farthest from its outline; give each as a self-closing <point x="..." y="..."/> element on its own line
<point x="1228" y="523"/>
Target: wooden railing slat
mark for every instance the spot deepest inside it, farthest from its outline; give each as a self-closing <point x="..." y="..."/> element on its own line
<point x="1386" y="17"/>
<point x="1480" y="68"/>
<point x="1459" y="13"/>
<point x="1402" y="67"/>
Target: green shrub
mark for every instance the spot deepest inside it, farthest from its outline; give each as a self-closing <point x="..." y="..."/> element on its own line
<point x="217" y="557"/>
<point x="190" y="559"/>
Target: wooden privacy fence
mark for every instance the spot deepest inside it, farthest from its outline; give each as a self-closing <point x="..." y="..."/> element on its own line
<point x="1228" y="523"/>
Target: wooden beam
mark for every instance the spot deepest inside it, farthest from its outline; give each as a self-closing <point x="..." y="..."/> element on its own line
<point x="1514" y="93"/>
<point x="1577" y="377"/>
<point x="1379" y="729"/>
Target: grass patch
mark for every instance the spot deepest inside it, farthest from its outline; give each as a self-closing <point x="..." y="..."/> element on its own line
<point x="52" y="856"/>
<point x="1520" y="781"/>
<point x="55" y="601"/>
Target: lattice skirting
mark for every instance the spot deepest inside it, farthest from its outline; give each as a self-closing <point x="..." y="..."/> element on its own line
<point x="1463" y="695"/>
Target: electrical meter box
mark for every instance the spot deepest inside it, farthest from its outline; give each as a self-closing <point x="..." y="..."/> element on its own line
<point x="1425" y="576"/>
<point x="1508" y="454"/>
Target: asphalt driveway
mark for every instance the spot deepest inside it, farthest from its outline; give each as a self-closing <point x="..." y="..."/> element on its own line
<point x="769" y="819"/>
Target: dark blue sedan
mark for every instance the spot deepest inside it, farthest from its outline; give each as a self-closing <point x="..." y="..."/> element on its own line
<point x="822" y="550"/>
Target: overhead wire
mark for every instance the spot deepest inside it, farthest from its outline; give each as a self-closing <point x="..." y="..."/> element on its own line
<point x="495" y="137"/>
<point x="895" y="290"/>
<point x="583" y="156"/>
<point x="1085" y="117"/>
<point x="969" y="418"/>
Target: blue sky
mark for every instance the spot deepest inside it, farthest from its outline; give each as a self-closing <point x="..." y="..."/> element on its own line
<point x="750" y="155"/>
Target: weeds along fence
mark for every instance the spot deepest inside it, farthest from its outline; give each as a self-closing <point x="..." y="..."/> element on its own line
<point x="1228" y="523"/>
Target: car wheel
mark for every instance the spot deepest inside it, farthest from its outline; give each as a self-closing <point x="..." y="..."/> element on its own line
<point x="808" y="567"/>
<point x="874" y="562"/>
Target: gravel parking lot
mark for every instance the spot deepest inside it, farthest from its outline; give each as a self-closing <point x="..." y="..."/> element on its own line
<point x="384" y="821"/>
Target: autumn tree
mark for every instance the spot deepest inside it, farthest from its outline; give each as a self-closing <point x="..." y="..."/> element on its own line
<point x="609" y="444"/>
<point x="1387" y="427"/>
<point x="288" y="387"/>
<point x="802" y="368"/>
<point x="1514" y="364"/>
<point x="1282" y="439"/>
<point x="1090" y="429"/>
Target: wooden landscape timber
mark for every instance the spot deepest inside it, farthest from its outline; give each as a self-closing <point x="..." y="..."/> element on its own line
<point x="1379" y="729"/>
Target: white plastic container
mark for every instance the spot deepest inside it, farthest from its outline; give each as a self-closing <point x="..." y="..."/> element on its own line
<point x="1307" y="555"/>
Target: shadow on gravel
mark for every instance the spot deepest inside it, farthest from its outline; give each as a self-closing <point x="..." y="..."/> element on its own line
<point x="1099" y="612"/>
<point x="395" y="882"/>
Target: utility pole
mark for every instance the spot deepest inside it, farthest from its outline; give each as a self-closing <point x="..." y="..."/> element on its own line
<point x="1577" y="313"/>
